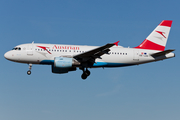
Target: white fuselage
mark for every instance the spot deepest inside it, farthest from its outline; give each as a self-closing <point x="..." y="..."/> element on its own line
<point x="65" y="58"/>
<point x="118" y="56"/>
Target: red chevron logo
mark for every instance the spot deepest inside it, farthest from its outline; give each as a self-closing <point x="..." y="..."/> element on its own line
<point x="162" y="33"/>
<point x="44" y="48"/>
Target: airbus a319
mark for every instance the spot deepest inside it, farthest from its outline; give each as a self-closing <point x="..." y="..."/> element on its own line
<point x="66" y="58"/>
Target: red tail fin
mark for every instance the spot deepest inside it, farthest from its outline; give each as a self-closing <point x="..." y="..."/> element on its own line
<point x="158" y="38"/>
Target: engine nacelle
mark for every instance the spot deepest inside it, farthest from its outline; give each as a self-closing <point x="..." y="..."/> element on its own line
<point x="63" y="62"/>
<point x="62" y="70"/>
<point x="64" y="65"/>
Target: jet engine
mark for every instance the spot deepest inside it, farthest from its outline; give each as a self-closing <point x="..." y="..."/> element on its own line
<point x="64" y="65"/>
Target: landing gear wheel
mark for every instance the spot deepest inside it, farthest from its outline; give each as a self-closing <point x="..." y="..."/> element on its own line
<point x="28" y="72"/>
<point x="84" y="76"/>
<point x="87" y="72"/>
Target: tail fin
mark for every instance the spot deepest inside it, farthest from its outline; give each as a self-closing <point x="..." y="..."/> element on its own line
<point x="158" y="38"/>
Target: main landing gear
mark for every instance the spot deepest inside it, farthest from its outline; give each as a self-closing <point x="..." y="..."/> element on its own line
<point x="29" y="71"/>
<point x="85" y="74"/>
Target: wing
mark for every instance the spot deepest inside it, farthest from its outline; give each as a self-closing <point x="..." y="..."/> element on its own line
<point x="91" y="55"/>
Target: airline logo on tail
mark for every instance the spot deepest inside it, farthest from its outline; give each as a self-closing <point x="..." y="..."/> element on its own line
<point x="162" y="33"/>
<point x="158" y="37"/>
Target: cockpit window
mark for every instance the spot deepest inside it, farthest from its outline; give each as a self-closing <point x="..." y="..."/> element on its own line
<point x="16" y="48"/>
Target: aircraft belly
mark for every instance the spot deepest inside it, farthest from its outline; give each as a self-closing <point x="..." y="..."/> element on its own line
<point x="106" y="64"/>
<point x="113" y="61"/>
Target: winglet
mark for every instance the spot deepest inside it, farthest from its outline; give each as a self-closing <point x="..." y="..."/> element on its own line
<point x="116" y="43"/>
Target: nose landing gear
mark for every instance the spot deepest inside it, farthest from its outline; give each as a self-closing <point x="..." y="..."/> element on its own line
<point x="29" y="71"/>
<point x="85" y="74"/>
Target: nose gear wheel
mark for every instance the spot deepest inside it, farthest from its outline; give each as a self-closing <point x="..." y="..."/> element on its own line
<point x="30" y="67"/>
<point x="28" y="72"/>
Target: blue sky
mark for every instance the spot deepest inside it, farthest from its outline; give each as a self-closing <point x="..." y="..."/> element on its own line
<point x="149" y="91"/>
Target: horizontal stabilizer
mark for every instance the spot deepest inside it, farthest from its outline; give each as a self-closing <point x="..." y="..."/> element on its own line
<point x="162" y="53"/>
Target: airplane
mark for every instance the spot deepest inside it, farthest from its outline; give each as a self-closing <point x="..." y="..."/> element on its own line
<point x="65" y="58"/>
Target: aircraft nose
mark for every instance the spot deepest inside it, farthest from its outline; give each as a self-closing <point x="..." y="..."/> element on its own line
<point x="7" y="55"/>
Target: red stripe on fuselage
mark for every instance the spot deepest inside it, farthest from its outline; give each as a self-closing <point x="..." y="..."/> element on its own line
<point x="166" y="23"/>
<point x="146" y="44"/>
